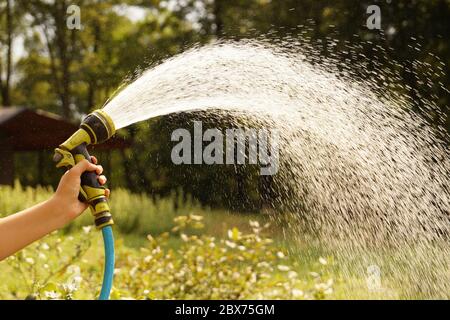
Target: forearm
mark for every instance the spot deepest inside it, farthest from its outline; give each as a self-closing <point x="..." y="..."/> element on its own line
<point x="20" y="229"/>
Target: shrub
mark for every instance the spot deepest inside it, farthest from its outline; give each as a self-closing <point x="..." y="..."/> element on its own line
<point x="238" y="266"/>
<point x="133" y="213"/>
<point x="16" y="198"/>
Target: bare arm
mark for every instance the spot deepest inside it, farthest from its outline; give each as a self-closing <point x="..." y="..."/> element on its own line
<point x="20" y="229"/>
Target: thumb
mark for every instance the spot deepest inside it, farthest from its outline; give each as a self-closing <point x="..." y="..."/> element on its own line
<point x="81" y="167"/>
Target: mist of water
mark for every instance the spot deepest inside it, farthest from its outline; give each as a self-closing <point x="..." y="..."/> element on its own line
<point x="364" y="177"/>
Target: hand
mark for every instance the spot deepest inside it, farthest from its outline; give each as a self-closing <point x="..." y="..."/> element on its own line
<point x="66" y="195"/>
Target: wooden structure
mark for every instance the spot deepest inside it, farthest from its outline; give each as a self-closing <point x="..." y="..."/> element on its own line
<point x="23" y="129"/>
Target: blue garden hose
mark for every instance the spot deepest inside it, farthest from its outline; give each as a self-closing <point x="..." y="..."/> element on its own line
<point x="95" y="128"/>
<point x="108" y="273"/>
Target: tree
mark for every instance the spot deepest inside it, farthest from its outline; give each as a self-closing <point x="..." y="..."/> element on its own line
<point x="5" y="84"/>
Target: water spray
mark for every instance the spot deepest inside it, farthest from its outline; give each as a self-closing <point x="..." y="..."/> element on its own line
<point x="96" y="128"/>
<point x="357" y="166"/>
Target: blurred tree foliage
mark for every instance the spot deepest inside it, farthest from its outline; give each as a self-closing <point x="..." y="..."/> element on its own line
<point x="71" y="72"/>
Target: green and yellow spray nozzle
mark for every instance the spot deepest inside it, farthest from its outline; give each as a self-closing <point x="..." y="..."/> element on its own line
<point x="96" y="128"/>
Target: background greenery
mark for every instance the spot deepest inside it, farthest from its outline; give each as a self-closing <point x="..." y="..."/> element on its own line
<point x="44" y="65"/>
<point x="72" y="72"/>
<point x="190" y="253"/>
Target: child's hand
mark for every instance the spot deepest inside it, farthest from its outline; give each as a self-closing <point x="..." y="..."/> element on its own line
<point x="66" y="196"/>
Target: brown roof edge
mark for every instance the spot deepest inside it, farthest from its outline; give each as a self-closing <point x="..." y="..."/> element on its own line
<point x="29" y="129"/>
<point x="7" y="113"/>
<point x="50" y="115"/>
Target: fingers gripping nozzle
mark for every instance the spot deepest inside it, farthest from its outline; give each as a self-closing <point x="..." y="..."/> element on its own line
<point x="97" y="127"/>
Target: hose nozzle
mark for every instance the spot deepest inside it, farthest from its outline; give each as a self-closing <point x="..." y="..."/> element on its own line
<point x="96" y="128"/>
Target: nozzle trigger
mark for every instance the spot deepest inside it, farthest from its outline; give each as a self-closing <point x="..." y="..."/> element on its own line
<point x="63" y="158"/>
